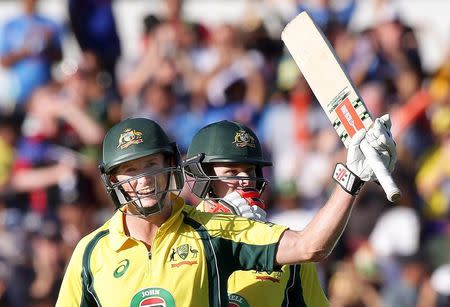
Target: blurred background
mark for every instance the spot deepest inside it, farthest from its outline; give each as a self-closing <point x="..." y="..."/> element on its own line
<point x="71" y="69"/>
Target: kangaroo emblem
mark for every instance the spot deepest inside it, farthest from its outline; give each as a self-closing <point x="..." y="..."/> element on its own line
<point x="172" y="255"/>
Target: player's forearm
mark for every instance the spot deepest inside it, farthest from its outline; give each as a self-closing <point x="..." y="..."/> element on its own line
<point x="319" y="237"/>
<point x="327" y="226"/>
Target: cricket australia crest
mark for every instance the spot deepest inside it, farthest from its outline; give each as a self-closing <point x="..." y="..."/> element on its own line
<point x="129" y="137"/>
<point x="179" y="255"/>
<point x="183" y="251"/>
<point x="243" y="139"/>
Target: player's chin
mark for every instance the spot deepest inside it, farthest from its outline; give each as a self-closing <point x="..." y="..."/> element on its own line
<point x="148" y="202"/>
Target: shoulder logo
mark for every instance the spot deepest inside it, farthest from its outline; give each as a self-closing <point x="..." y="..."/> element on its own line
<point x="235" y="300"/>
<point x="122" y="268"/>
<point x="183" y="254"/>
<point x="129" y="137"/>
<point x="243" y="139"/>
<point x="153" y="297"/>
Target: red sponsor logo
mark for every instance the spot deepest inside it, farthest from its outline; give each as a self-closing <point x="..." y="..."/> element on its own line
<point x="153" y="302"/>
<point x="341" y="174"/>
<point x="176" y="265"/>
<point x="270" y="278"/>
<point x="348" y="117"/>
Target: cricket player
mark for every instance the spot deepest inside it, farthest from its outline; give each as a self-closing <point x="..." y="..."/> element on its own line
<point x="224" y="167"/>
<point x="156" y="250"/>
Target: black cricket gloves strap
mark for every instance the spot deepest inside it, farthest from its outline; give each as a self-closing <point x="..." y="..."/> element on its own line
<point x="347" y="179"/>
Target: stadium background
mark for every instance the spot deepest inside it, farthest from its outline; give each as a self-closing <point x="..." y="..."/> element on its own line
<point x="179" y="74"/>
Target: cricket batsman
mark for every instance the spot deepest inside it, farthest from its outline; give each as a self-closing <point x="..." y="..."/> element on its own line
<point x="230" y="180"/>
<point x="224" y="168"/>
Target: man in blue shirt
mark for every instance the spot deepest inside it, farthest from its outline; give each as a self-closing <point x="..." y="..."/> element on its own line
<point x="29" y="44"/>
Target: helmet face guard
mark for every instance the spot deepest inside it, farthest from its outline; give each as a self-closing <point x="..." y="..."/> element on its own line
<point x="199" y="178"/>
<point x="124" y="194"/>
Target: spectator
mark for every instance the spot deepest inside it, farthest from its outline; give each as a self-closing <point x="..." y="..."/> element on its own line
<point x="29" y="45"/>
<point x="405" y="291"/>
<point x="94" y="26"/>
<point x="42" y="164"/>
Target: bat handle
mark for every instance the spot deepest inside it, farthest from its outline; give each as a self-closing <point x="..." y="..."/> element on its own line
<point x="383" y="175"/>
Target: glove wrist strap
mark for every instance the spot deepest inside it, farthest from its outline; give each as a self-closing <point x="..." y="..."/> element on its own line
<point x="347" y="179"/>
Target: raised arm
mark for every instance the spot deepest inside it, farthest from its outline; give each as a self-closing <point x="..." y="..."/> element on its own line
<point x="317" y="240"/>
<point x="319" y="237"/>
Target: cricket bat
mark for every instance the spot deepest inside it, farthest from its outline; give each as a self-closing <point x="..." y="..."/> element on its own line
<point x="334" y="90"/>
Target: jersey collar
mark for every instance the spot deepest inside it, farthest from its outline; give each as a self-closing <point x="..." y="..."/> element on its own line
<point x="117" y="229"/>
<point x="201" y="206"/>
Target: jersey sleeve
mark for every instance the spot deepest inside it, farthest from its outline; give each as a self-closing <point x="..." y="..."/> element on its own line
<point x="71" y="290"/>
<point x="312" y="292"/>
<point x="248" y="244"/>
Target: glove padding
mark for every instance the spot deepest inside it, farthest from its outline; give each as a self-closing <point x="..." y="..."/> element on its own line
<point x="379" y="137"/>
<point x="246" y="203"/>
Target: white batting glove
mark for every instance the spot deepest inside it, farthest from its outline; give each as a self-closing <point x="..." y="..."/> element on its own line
<point x="244" y="206"/>
<point x="380" y="138"/>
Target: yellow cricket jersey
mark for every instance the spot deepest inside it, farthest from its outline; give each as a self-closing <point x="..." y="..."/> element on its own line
<point x="191" y="258"/>
<point x="294" y="285"/>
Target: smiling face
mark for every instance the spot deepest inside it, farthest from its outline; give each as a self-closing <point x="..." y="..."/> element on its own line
<point x="225" y="186"/>
<point x="142" y="180"/>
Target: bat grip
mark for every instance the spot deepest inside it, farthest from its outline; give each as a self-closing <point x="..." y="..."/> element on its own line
<point x="383" y="175"/>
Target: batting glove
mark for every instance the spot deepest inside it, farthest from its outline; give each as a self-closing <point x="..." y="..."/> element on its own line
<point x="380" y="138"/>
<point x="246" y="203"/>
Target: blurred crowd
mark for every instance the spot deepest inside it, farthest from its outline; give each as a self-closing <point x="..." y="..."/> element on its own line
<point x="189" y="74"/>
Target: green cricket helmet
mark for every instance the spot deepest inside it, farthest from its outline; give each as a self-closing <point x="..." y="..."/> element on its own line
<point x="132" y="139"/>
<point x="222" y="142"/>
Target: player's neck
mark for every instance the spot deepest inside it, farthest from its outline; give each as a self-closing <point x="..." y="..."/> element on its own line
<point x="145" y="230"/>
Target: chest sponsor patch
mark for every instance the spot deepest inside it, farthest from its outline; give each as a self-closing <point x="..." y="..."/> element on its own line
<point x="153" y="297"/>
<point x="235" y="300"/>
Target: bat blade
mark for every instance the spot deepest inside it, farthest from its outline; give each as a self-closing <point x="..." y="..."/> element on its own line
<point x="333" y="88"/>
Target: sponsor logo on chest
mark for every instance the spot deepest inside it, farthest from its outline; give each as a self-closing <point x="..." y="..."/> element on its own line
<point x="121" y="268"/>
<point x="274" y="277"/>
<point x="153" y="297"/>
<point x="235" y="300"/>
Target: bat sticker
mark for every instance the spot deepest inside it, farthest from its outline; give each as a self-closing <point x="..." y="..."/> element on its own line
<point x="349" y="118"/>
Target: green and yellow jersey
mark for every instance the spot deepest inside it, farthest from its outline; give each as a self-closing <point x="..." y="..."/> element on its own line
<point x="294" y="285"/>
<point x="191" y="258"/>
